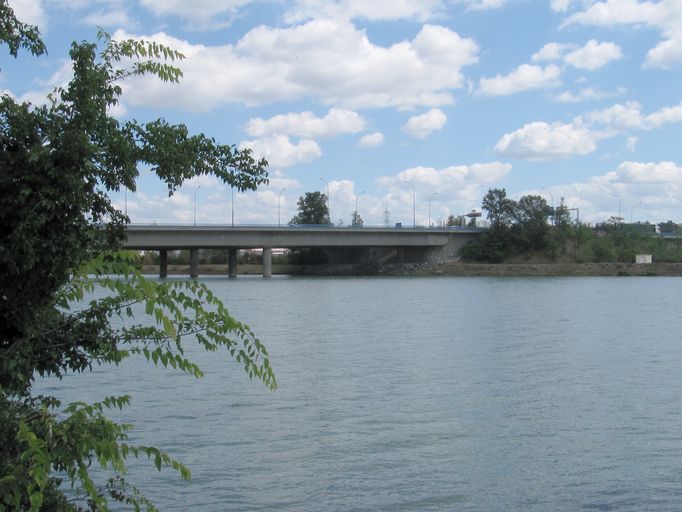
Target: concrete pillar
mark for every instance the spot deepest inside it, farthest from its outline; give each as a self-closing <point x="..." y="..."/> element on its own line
<point x="232" y="262"/>
<point x="267" y="261"/>
<point x="163" y="263"/>
<point x="194" y="263"/>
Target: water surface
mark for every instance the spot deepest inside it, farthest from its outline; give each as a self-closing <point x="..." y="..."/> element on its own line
<point x="474" y="394"/>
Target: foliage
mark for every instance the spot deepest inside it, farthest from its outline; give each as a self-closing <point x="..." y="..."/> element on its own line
<point x="312" y="209"/>
<point x="356" y="220"/>
<point x="58" y="230"/>
<point x="499" y="208"/>
<point x="453" y="221"/>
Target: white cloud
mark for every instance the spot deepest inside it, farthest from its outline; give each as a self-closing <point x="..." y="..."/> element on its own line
<point x="376" y="10"/>
<point x="593" y="55"/>
<point x="631" y="144"/>
<point x="665" y="16"/>
<point x="587" y="94"/>
<point x="198" y="12"/>
<point x="371" y="140"/>
<point x="29" y="11"/>
<point x="327" y="60"/>
<point x="459" y="187"/>
<point x="482" y="5"/>
<point x="279" y="151"/>
<point x="523" y="78"/>
<point x="551" y="51"/>
<point x="618" y="117"/>
<point x="665" y="116"/>
<point x="642" y="190"/>
<point x="112" y="18"/>
<point x="423" y="125"/>
<point x="543" y="141"/>
<point x="560" y="5"/>
<point x="307" y="125"/>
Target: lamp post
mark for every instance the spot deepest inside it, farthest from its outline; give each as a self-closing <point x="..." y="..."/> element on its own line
<point x="125" y="195"/>
<point x="414" y="207"/>
<point x="430" y="198"/>
<point x="632" y="208"/>
<point x="279" y="204"/>
<point x="329" y="207"/>
<point x="356" y="201"/>
<point x="195" y="204"/>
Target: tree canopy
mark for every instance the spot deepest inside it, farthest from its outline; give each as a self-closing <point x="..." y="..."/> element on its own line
<point x="312" y="209"/>
<point x="60" y="234"/>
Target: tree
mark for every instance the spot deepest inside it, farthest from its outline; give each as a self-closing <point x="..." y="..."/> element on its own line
<point x="356" y="220"/>
<point x="500" y="209"/>
<point x="531" y="226"/>
<point x="312" y="209"/>
<point x="59" y="235"/>
<point x="453" y="221"/>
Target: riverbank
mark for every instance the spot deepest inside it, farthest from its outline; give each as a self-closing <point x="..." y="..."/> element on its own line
<point x="444" y="269"/>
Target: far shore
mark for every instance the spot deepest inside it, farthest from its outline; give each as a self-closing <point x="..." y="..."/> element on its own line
<point x="443" y="269"/>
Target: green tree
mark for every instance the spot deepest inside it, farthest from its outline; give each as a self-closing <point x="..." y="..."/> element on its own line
<point x="453" y="221"/>
<point x="59" y="233"/>
<point x="499" y="208"/>
<point x="531" y="228"/>
<point x="356" y="220"/>
<point x="312" y="209"/>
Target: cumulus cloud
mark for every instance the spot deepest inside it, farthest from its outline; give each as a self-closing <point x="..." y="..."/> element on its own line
<point x="643" y="190"/>
<point x="307" y="125"/>
<point x="523" y="78"/>
<point x="593" y="55"/>
<point x="423" y="125"/>
<point x="665" y="16"/>
<point x="376" y="10"/>
<point x="326" y="60"/>
<point x="587" y="94"/>
<point x="279" y="151"/>
<point x="482" y="5"/>
<point x="543" y="141"/>
<point x="200" y="13"/>
<point x="29" y="11"/>
<point x="371" y="140"/>
<point x="551" y="51"/>
<point x="458" y="186"/>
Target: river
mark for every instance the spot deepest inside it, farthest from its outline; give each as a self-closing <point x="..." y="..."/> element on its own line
<point x="446" y="393"/>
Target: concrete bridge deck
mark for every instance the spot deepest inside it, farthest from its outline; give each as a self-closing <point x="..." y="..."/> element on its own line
<point x="431" y="244"/>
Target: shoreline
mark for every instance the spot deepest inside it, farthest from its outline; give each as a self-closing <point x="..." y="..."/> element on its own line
<point x="444" y="269"/>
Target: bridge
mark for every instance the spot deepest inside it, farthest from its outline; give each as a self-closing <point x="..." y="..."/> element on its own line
<point x="341" y="244"/>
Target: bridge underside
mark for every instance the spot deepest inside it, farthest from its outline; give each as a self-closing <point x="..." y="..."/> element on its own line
<point x="360" y="246"/>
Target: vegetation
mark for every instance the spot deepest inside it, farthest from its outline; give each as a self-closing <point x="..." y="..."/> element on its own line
<point x="312" y="209"/>
<point x="356" y="220"/>
<point x="528" y="230"/>
<point x="59" y="234"/>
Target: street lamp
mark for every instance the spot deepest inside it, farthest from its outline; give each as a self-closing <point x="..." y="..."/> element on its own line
<point x="279" y="203"/>
<point x="356" y="201"/>
<point x="195" y="204"/>
<point x="430" y="198"/>
<point x="232" y="207"/>
<point x="329" y="207"/>
<point x="414" y="206"/>
<point x="632" y="208"/>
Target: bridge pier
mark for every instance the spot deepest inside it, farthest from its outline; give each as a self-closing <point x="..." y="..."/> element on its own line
<point x="267" y="261"/>
<point x="232" y="262"/>
<point x="163" y="263"/>
<point x="194" y="263"/>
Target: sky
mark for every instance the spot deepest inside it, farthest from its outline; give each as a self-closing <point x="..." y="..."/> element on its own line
<point x="407" y="107"/>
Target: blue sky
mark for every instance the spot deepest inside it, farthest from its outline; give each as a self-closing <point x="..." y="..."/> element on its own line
<point x="375" y="100"/>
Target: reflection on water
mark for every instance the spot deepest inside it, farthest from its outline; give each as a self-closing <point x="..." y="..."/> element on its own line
<point x="424" y="394"/>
